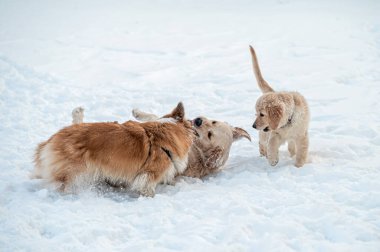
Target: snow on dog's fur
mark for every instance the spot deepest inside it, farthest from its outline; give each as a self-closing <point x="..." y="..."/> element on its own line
<point x="211" y="146"/>
<point x="280" y="117"/>
<point x="139" y="154"/>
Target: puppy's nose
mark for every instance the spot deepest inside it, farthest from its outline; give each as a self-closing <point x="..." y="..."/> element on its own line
<point x="198" y="122"/>
<point x="254" y="125"/>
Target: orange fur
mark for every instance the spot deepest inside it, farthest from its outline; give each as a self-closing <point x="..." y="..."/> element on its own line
<point x="133" y="153"/>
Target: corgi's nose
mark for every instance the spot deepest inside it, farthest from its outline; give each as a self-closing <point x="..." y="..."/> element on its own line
<point x="254" y="125"/>
<point x="198" y="122"/>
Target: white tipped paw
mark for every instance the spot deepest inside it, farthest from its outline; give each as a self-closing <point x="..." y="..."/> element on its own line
<point x="78" y="111"/>
<point x="77" y="115"/>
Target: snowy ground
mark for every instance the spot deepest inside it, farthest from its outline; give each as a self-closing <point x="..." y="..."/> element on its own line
<point x="111" y="57"/>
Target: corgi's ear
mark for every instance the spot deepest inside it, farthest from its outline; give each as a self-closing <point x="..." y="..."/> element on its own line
<point x="178" y="113"/>
<point x="238" y="133"/>
<point x="275" y="114"/>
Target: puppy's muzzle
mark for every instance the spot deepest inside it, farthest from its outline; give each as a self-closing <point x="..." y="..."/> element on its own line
<point x="255" y="127"/>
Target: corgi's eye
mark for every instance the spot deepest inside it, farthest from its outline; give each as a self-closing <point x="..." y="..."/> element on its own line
<point x="209" y="135"/>
<point x="261" y="114"/>
<point x="213" y="122"/>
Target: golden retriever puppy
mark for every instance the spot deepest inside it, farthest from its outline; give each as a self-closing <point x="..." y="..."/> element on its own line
<point x="280" y="117"/>
<point x="211" y="145"/>
<point x="138" y="154"/>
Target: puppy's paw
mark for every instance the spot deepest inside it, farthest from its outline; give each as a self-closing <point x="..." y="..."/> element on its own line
<point x="262" y="154"/>
<point x="273" y="161"/>
<point x="263" y="151"/>
<point x="299" y="164"/>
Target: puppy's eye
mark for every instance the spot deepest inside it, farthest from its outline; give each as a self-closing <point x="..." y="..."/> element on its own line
<point x="209" y="135"/>
<point x="213" y="122"/>
<point x="261" y="114"/>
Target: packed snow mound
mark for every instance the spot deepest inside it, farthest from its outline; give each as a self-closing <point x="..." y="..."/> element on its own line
<point x="112" y="57"/>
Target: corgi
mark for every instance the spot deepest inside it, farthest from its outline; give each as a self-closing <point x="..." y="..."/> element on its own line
<point x="138" y="154"/>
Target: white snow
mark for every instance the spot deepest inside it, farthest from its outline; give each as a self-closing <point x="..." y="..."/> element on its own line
<point x="113" y="56"/>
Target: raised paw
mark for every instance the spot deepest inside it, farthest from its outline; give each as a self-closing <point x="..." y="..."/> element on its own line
<point x="77" y="115"/>
<point x="136" y="113"/>
<point x="78" y="111"/>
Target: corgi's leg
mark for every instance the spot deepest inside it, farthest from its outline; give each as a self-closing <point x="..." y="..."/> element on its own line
<point x="144" y="185"/>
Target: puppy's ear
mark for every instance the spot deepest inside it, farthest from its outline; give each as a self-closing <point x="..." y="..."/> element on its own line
<point x="275" y="114"/>
<point x="239" y="133"/>
<point x="179" y="112"/>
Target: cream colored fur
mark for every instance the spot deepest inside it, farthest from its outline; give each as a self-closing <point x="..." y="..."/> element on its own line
<point x="280" y="117"/>
<point x="77" y="115"/>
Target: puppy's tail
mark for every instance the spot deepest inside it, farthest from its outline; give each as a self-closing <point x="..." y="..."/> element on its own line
<point x="264" y="86"/>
